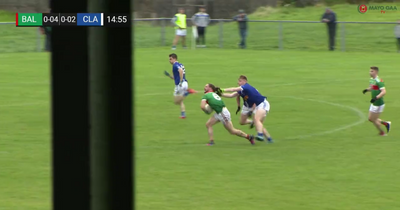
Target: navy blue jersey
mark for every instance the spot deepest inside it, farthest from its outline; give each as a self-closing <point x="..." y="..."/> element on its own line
<point x="175" y="71"/>
<point x="251" y="95"/>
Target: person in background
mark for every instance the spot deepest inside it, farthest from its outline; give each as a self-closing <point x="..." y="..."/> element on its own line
<point x="179" y="20"/>
<point x="397" y="34"/>
<point x="201" y="21"/>
<point x="46" y="30"/>
<point x="242" y="19"/>
<point x="329" y="18"/>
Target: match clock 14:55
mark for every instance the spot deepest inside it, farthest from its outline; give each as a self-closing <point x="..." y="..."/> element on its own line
<point x="118" y="20"/>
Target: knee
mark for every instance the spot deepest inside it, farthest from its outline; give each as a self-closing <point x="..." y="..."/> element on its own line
<point x="371" y="119"/>
<point x="242" y="122"/>
<point x="208" y="125"/>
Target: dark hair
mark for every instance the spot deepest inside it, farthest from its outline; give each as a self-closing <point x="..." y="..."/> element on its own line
<point x="374" y="68"/>
<point x="243" y="77"/>
<point x="216" y="90"/>
<point x="173" y="55"/>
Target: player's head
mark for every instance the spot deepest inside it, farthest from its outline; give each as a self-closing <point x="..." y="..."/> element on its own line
<point x="373" y="71"/>
<point x="209" y="88"/>
<point x="242" y="80"/>
<point x="212" y="88"/>
<point x="328" y="10"/>
<point x="181" y="10"/>
<point x="202" y="9"/>
<point x="173" y="58"/>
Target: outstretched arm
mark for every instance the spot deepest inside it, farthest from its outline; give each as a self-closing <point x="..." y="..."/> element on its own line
<point x="230" y="95"/>
<point x="234" y="89"/>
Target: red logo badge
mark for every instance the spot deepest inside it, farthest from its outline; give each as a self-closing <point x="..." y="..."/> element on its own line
<point x="362" y="8"/>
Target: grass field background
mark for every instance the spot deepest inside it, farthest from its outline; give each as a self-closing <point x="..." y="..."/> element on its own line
<point x="262" y="36"/>
<point x="326" y="154"/>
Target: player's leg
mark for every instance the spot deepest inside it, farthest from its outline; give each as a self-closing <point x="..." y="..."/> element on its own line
<point x="225" y="118"/>
<point x="179" y="96"/>
<point x="209" y="125"/>
<point x="176" y="39"/>
<point x="374" y="118"/>
<point x="260" y="114"/>
<point x="244" y="116"/>
<point x="374" y="113"/>
<point x="183" y="37"/>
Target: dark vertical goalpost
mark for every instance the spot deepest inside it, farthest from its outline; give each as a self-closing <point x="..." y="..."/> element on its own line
<point x="91" y="105"/>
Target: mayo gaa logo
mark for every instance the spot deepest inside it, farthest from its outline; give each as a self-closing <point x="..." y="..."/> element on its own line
<point x="362" y="8"/>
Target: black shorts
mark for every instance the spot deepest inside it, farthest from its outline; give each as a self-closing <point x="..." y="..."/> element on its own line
<point x="201" y="30"/>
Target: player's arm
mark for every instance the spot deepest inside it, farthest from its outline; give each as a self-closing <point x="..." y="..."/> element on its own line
<point x="238" y="100"/>
<point x="203" y="104"/>
<point x="366" y="90"/>
<point x="238" y="103"/>
<point x="234" y="89"/>
<point x="230" y="95"/>
<point x="180" y="70"/>
<point x="383" y="93"/>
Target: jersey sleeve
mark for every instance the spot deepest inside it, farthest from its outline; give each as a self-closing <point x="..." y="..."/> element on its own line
<point x="205" y="97"/>
<point x="381" y="84"/>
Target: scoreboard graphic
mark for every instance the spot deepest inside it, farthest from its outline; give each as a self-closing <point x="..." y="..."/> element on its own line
<point x="72" y="19"/>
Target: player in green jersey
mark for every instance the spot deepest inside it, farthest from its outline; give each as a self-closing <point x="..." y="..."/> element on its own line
<point x="378" y="90"/>
<point x="222" y="114"/>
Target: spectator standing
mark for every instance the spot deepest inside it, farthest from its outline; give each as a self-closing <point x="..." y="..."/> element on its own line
<point x="201" y="21"/>
<point x="179" y="20"/>
<point x="242" y="19"/>
<point x="397" y="34"/>
<point x="329" y="18"/>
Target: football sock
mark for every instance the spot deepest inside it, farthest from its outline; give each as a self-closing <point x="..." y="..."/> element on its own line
<point x="384" y="123"/>
<point x="260" y="134"/>
<point x="183" y="114"/>
<point x="269" y="139"/>
<point x="186" y="93"/>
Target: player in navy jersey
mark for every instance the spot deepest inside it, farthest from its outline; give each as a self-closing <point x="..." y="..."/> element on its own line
<point x="253" y="102"/>
<point x="181" y="83"/>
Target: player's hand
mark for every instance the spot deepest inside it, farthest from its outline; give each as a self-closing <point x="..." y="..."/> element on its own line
<point x="238" y="109"/>
<point x="373" y="100"/>
<point x="218" y="91"/>
<point x="365" y="90"/>
<point x="180" y="84"/>
<point x="167" y="74"/>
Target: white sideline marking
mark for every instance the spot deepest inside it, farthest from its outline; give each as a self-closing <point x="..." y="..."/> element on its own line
<point x="362" y="119"/>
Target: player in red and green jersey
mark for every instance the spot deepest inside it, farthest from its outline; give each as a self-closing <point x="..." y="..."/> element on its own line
<point x="212" y="97"/>
<point x="378" y="90"/>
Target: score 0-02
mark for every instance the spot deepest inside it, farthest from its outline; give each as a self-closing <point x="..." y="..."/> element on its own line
<point x="117" y="20"/>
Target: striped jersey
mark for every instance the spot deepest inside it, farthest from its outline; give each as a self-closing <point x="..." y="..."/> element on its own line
<point x="201" y="19"/>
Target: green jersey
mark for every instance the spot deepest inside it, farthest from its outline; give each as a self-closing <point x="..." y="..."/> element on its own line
<point x="376" y="86"/>
<point x="214" y="101"/>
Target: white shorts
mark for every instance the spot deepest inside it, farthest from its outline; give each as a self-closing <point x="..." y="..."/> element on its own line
<point x="224" y="116"/>
<point x="246" y="110"/>
<point x="264" y="105"/>
<point x="181" y="32"/>
<point x="180" y="91"/>
<point x="376" y="109"/>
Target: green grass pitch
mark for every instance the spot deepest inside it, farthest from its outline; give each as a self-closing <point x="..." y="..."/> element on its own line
<point x="326" y="154"/>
